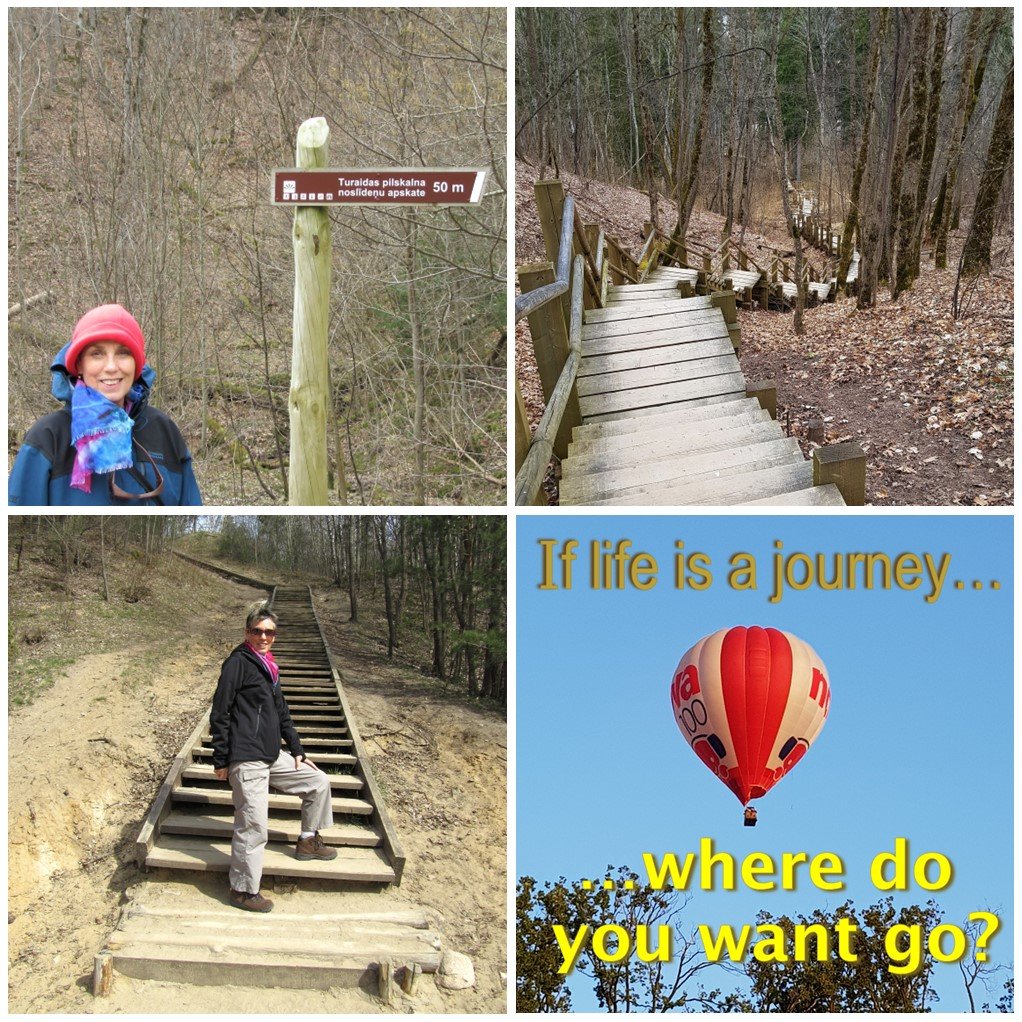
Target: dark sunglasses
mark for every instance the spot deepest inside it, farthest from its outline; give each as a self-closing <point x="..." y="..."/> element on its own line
<point x="116" y="491"/>
<point x="268" y="633"/>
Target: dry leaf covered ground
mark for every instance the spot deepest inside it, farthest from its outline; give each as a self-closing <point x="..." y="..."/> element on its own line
<point x="929" y="398"/>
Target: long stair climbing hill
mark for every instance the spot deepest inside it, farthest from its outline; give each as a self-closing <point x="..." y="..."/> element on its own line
<point x="190" y="825"/>
<point x="666" y="416"/>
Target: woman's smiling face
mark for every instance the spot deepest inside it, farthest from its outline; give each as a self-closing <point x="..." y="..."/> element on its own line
<point x="262" y="633"/>
<point x="109" y="369"/>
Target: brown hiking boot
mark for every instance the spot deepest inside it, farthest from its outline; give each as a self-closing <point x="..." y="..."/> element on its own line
<point x="250" y="902"/>
<point x="313" y="848"/>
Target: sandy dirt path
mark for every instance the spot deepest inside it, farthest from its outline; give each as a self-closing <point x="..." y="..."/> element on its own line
<point x="88" y="755"/>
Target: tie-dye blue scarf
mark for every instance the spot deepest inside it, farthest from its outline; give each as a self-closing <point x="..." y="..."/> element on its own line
<point x="100" y="433"/>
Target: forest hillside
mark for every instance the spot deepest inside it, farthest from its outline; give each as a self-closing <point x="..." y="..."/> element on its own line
<point x="141" y="148"/>
<point x="114" y="648"/>
<point x="929" y="397"/>
<point x="758" y="133"/>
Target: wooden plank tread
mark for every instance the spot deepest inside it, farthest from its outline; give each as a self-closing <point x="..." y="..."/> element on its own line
<point x="173" y="851"/>
<point x="216" y="822"/>
<point x="827" y="495"/>
<point x="223" y="797"/>
<point x="338" y="782"/>
<point x="602" y="459"/>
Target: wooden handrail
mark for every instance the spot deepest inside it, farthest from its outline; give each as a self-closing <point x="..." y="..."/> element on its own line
<point x="529" y="478"/>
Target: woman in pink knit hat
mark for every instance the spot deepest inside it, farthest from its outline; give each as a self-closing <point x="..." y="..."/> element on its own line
<point x="107" y="445"/>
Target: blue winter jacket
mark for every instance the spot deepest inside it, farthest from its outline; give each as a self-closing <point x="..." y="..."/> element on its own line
<point x="41" y="475"/>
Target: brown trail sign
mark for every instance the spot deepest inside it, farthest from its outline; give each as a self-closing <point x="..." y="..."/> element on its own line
<point x="390" y="186"/>
<point x="310" y="188"/>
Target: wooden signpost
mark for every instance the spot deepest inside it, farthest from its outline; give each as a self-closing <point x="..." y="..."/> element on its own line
<point x="310" y="188"/>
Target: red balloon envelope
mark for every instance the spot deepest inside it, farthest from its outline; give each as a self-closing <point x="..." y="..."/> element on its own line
<point x="750" y="702"/>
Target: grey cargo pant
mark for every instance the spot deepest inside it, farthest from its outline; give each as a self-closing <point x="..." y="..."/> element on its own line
<point x="251" y="781"/>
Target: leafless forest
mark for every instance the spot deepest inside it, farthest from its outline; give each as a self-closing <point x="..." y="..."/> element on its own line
<point x="893" y="125"/>
<point x="141" y="142"/>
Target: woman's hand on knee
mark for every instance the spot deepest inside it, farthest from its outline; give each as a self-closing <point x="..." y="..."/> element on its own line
<point x="220" y="773"/>
<point x="299" y="760"/>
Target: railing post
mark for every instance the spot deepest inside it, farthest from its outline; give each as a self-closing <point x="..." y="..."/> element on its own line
<point x="614" y="255"/>
<point x="550" y="205"/>
<point x="765" y="392"/>
<point x="523" y="432"/>
<point x="845" y="466"/>
<point x="550" y="344"/>
<point x="309" y="397"/>
<point x="728" y="305"/>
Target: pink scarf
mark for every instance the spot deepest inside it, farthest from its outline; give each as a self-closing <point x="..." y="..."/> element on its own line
<point x="266" y="659"/>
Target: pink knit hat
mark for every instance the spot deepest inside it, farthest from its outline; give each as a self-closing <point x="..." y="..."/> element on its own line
<point x="106" y="323"/>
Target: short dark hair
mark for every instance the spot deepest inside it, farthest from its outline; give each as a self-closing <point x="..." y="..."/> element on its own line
<point x="259" y="612"/>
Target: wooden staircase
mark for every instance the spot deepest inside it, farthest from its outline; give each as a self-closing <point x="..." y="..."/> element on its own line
<point x="190" y="824"/>
<point x="667" y="416"/>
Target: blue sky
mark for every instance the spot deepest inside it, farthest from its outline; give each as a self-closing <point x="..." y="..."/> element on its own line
<point x="918" y="743"/>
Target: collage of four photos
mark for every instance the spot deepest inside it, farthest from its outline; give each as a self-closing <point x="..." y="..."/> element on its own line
<point x="319" y="701"/>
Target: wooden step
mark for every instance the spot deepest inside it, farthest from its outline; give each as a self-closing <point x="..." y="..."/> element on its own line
<point x="338" y="782"/>
<point x="741" y="279"/>
<point x="626" y="402"/>
<point x="340" y="740"/>
<point x="172" y="851"/>
<point x="312" y="744"/>
<point x="693" y="403"/>
<point x="322" y="758"/>
<point x="666" y="287"/>
<point x="675" y="415"/>
<point x="646" y="357"/>
<point x="636" y="340"/>
<point x="203" y="942"/>
<point x="827" y="495"/>
<point x="658" y="307"/>
<point x="214" y="822"/>
<point x="644" y="308"/>
<point x="748" y="486"/>
<point x="649" y="480"/>
<point x="658" y="374"/>
<point x="644" y="324"/>
<point x="289" y="803"/>
<point x="646" y="443"/>
<point x="673" y="273"/>
<point x="605" y="459"/>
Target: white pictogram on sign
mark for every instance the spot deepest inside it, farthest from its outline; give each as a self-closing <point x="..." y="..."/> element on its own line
<point x="289" y="187"/>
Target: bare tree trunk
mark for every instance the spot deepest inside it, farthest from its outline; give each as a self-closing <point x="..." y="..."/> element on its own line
<point x="102" y="559"/>
<point x="780" y="149"/>
<point x="380" y="530"/>
<point x="930" y="142"/>
<point x="901" y="277"/>
<point x="976" y="254"/>
<point x="968" y="93"/>
<point x="647" y="135"/>
<point x="352" y="591"/>
<point x="687" y="188"/>
<point x="852" y="219"/>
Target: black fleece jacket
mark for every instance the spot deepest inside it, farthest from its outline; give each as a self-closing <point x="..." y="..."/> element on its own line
<point x="249" y="716"/>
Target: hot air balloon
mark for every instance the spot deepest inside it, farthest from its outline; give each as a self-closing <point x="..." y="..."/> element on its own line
<point x="750" y="702"/>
